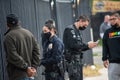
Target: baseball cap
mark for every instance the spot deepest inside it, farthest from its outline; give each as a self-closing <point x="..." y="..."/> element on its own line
<point x="12" y="19"/>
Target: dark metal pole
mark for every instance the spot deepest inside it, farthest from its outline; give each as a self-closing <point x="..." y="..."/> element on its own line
<point x="74" y="10"/>
<point x="1" y="75"/>
<point x="53" y="11"/>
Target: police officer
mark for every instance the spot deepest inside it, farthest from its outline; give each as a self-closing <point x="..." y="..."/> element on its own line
<point x="74" y="46"/>
<point x="52" y="53"/>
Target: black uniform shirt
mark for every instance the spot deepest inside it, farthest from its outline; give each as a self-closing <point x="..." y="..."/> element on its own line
<point x="72" y="39"/>
<point x="53" y="51"/>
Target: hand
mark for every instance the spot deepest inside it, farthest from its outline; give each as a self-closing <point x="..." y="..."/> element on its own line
<point x="34" y="71"/>
<point x="106" y="63"/>
<point x="31" y="71"/>
<point x="92" y="44"/>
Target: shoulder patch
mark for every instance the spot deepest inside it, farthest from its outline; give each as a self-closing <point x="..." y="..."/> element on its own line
<point x="73" y="32"/>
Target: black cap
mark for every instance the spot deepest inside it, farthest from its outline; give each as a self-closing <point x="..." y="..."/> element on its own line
<point x="12" y="19"/>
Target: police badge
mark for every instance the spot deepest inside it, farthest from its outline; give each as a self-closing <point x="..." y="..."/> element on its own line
<point x="50" y="46"/>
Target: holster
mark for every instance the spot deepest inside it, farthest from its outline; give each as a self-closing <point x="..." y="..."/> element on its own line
<point x="68" y="55"/>
<point x="61" y="68"/>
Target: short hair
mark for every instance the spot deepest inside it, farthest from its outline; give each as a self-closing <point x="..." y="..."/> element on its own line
<point x="12" y="19"/>
<point x="107" y="16"/>
<point x="83" y="18"/>
<point x="50" y="21"/>
<point x="115" y="14"/>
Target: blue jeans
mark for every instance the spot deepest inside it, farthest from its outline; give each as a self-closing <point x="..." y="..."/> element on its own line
<point x="26" y="79"/>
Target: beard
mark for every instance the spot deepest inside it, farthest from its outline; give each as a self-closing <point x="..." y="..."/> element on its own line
<point x="115" y="26"/>
<point x="82" y="28"/>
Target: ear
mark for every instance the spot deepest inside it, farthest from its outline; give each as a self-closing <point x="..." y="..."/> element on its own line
<point x="80" y="20"/>
<point x="118" y="18"/>
<point x="8" y="25"/>
<point x="52" y="30"/>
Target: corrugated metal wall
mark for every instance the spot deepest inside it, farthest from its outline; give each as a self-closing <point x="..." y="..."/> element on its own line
<point x="64" y="16"/>
<point x="84" y="9"/>
<point x="4" y="10"/>
<point x="33" y="14"/>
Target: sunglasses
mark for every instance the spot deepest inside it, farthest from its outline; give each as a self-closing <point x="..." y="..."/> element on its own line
<point x="112" y="19"/>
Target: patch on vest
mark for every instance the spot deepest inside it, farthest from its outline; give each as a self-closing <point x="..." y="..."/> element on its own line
<point x="50" y="46"/>
<point x="73" y="33"/>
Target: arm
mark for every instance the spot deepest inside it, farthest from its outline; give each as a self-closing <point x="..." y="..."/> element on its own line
<point x="105" y="51"/>
<point x="84" y="47"/>
<point x="35" y="54"/>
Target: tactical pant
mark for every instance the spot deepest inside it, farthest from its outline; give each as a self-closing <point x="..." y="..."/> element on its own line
<point x="53" y="72"/>
<point x="74" y="68"/>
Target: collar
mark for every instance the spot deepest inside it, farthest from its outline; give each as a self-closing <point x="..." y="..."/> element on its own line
<point x="116" y="28"/>
<point x="16" y="27"/>
<point x="12" y="28"/>
<point x="53" y="38"/>
<point x="75" y="28"/>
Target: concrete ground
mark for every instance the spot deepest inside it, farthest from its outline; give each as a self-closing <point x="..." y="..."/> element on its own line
<point x="103" y="75"/>
<point x="98" y="61"/>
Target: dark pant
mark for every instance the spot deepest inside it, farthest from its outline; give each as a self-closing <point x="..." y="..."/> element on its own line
<point x="74" y="68"/>
<point x="53" y="76"/>
<point x="26" y="79"/>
